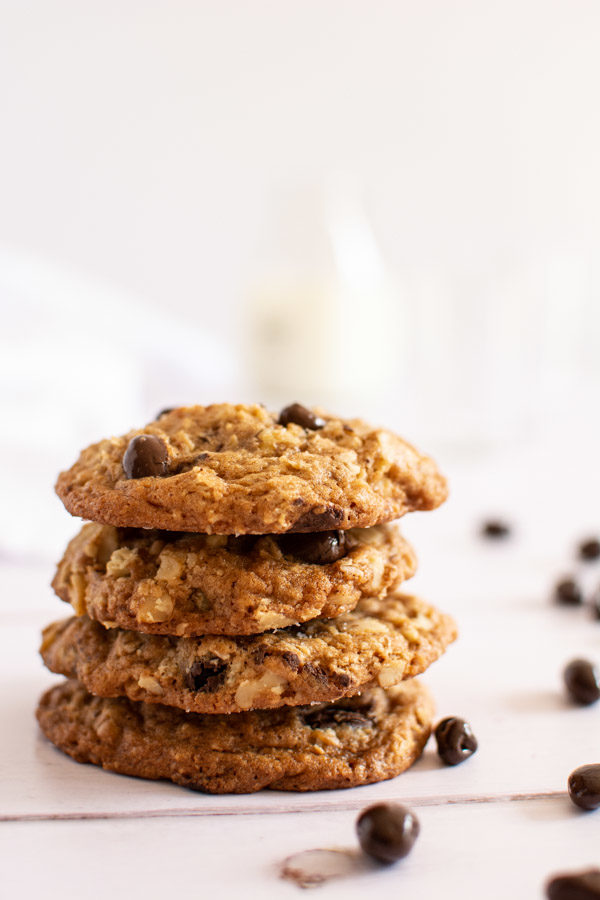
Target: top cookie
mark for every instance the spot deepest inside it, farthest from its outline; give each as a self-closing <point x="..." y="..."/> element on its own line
<point x="234" y="469"/>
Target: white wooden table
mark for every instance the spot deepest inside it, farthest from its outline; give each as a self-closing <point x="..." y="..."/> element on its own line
<point x="493" y="827"/>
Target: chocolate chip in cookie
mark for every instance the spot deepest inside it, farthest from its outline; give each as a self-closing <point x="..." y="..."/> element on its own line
<point x="324" y="520"/>
<point x="206" y="675"/>
<point x="321" y="547"/>
<point x="146" y="455"/>
<point x="326" y="676"/>
<point x="292" y="660"/>
<point x="299" y="415"/>
<point x="330" y="716"/>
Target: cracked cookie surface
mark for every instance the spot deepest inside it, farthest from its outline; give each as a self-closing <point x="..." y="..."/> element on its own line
<point x="191" y="584"/>
<point x="232" y="469"/>
<point x="368" y="738"/>
<point x="382" y="641"/>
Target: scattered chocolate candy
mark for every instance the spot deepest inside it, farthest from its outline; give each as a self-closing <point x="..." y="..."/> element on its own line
<point x="300" y="415"/>
<point x="584" y="787"/>
<point x="146" y="455"/>
<point x="589" y="549"/>
<point x="164" y="412"/>
<point x="320" y="547"/>
<point x="568" y="593"/>
<point x="495" y="528"/>
<point x="595" y="604"/>
<point x="387" y="831"/>
<point x="582" y="681"/>
<point x="575" y="886"/>
<point x="455" y="740"/>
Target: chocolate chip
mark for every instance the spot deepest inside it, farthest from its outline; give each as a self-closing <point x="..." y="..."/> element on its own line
<point x="584" y="787"/>
<point x="589" y="549"/>
<point x="495" y="528"/>
<point x="320" y="548"/>
<point x="292" y="660"/>
<point x="455" y="740"/>
<point x="165" y="411"/>
<point x="575" y="886"/>
<point x="387" y="831"/>
<point x="259" y="655"/>
<point x="340" y="679"/>
<point x="206" y="675"/>
<point x="326" y="677"/>
<point x="316" y="672"/>
<point x="146" y="455"/>
<point x="582" y="681"/>
<point x="300" y="415"/>
<point x="332" y="517"/>
<point x="568" y="593"/>
<point x="330" y="716"/>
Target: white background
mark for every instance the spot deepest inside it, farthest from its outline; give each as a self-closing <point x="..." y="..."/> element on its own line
<point x="149" y="143"/>
<point x="177" y="154"/>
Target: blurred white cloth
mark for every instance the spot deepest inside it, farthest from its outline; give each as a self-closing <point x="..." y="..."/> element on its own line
<point x="79" y="362"/>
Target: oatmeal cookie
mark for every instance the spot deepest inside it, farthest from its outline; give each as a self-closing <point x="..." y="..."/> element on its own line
<point x="166" y="582"/>
<point x="382" y="641"/>
<point x="368" y="738"/>
<point x="234" y="469"/>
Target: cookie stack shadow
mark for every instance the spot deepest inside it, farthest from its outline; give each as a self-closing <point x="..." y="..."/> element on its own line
<point x="239" y="620"/>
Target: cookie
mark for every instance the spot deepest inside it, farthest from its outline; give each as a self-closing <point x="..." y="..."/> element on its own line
<point x="226" y="469"/>
<point x="189" y="584"/>
<point x="368" y="738"/>
<point x="385" y="641"/>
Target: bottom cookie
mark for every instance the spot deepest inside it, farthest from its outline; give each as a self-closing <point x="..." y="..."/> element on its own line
<point x="360" y="740"/>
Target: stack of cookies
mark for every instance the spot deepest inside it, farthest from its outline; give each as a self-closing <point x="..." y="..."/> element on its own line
<point x="238" y="622"/>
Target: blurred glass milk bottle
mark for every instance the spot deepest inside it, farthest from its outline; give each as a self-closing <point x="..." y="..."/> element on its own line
<point x="324" y="317"/>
